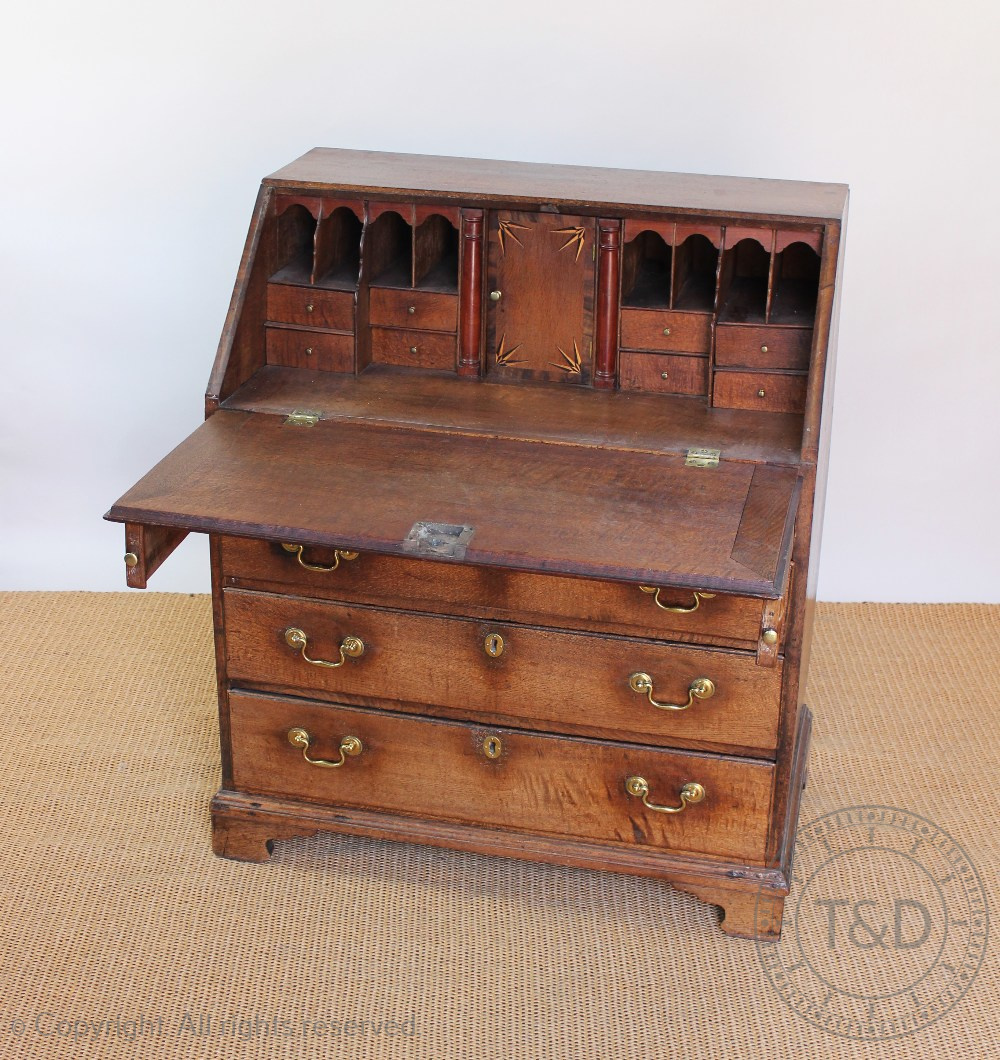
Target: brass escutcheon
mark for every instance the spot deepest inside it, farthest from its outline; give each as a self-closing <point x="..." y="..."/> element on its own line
<point x="492" y="747"/>
<point x="493" y="645"/>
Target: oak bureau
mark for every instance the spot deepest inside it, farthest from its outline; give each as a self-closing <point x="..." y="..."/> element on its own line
<point x="513" y="475"/>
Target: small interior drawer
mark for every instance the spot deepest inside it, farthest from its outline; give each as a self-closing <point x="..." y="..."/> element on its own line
<point x="763" y="347"/>
<point x="418" y="349"/>
<point x="290" y="304"/>
<point x="762" y="391"/>
<point x="661" y="373"/>
<point x="520" y="780"/>
<point x="321" y="350"/>
<point x="395" y="308"/>
<point x="656" y="329"/>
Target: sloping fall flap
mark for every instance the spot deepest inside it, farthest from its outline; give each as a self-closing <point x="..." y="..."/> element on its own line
<point x="563" y="509"/>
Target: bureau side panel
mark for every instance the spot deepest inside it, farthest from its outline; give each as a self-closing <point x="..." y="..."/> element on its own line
<point x="806" y="549"/>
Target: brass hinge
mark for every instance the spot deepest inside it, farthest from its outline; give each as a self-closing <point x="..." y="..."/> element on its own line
<point x="703" y="458"/>
<point x="302" y="418"/>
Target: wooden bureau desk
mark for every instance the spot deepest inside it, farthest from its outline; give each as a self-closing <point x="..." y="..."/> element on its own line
<point x="513" y="475"/>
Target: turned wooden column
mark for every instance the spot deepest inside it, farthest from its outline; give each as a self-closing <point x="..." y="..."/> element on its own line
<point x="471" y="303"/>
<point x="608" y="267"/>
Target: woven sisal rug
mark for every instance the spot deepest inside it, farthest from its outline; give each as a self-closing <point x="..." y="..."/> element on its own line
<point x="122" y="935"/>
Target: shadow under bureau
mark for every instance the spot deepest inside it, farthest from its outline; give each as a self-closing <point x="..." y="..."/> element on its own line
<point x="513" y="475"/>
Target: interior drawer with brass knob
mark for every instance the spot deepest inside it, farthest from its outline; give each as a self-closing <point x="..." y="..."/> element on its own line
<point x="763" y="391"/>
<point x="310" y="306"/>
<point x="660" y="373"/>
<point x="613" y="687"/>
<point x="763" y="347"/>
<point x="661" y="329"/>
<point x="425" y="310"/>
<point x="416" y="349"/>
<point x="322" y="350"/>
<point x="616" y="793"/>
<point x="512" y="596"/>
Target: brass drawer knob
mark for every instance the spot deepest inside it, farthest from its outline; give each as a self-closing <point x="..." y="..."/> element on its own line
<point x="350" y="648"/>
<point x="698" y="597"/>
<point x="763" y="349"/>
<point x="131" y="560"/>
<point x="666" y="331"/>
<point x="663" y="375"/>
<point x="349" y="746"/>
<point x="769" y="636"/>
<point x="700" y="688"/>
<point x="310" y="306"/>
<point x="413" y="349"/>
<point x="411" y="309"/>
<point x="761" y="393"/>
<point x="309" y="351"/>
<point x="296" y="551"/>
<point x="495" y="296"/>
<point x="690" y="792"/>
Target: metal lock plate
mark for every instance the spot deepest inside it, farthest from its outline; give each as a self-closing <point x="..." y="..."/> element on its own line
<point x="493" y="645"/>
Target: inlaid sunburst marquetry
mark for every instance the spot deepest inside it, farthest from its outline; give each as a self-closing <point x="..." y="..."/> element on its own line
<point x="577" y="237"/>
<point x="507" y="231"/>
<point x="504" y="357"/>
<point x="572" y="363"/>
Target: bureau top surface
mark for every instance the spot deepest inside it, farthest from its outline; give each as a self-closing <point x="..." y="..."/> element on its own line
<point x="528" y="505"/>
<point x="474" y="180"/>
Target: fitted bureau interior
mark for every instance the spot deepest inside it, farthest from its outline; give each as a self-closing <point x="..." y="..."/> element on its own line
<point x="704" y="310"/>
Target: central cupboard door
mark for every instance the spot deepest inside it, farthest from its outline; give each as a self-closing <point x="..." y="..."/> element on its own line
<point x="540" y="306"/>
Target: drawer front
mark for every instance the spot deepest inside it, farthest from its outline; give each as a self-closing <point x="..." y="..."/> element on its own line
<point x="535" y="599"/>
<point x="394" y="308"/>
<point x="310" y="349"/>
<point x="761" y="391"/>
<point x="663" y="374"/>
<point x="781" y="348"/>
<point x="654" y="329"/>
<point x="536" y="783"/>
<point x="554" y="680"/>
<point x="420" y="349"/>
<point x="287" y="304"/>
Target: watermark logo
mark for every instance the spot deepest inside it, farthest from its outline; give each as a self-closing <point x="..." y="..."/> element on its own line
<point x="885" y="928"/>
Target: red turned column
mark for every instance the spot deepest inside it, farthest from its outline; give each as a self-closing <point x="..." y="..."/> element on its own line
<point x="608" y="265"/>
<point x="471" y="322"/>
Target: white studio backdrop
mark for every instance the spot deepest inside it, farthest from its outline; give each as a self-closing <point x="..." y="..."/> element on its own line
<point x="133" y="139"/>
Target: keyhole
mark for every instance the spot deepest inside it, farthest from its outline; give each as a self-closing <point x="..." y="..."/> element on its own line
<point x="493" y="645"/>
<point x="492" y="747"/>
